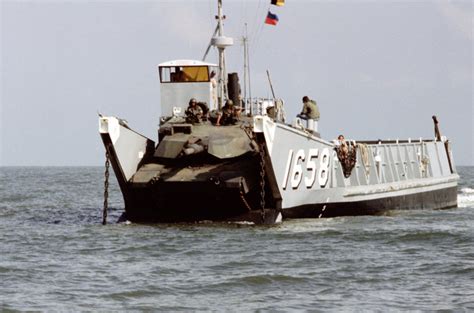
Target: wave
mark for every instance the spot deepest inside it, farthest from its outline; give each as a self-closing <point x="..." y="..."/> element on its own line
<point x="466" y="197"/>
<point x="467" y="190"/>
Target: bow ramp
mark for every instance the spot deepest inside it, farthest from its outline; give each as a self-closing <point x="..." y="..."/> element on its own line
<point x="196" y="172"/>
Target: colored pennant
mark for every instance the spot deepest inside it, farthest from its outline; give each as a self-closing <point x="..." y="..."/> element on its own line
<point x="279" y="3"/>
<point x="272" y="19"/>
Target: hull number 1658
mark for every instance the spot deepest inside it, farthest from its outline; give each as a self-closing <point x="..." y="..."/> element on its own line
<point x="294" y="172"/>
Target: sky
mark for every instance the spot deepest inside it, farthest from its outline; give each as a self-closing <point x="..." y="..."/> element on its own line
<point x="378" y="69"/>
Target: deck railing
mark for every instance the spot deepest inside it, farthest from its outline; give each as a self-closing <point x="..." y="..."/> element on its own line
<point x="265" y="106"/>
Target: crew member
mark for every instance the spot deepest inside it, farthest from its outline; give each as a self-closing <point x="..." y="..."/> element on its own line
<point x="310" y="109"/>
<point x="310" y="112"/>
<point x="229" y="114"/>
<point x="193" y="112"/>
<point x="212" y="78"/>
<point x="343" y="144"/>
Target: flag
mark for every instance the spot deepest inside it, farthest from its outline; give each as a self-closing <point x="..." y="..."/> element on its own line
<point x="271" y="19"/>
<point x="279" y="3"/>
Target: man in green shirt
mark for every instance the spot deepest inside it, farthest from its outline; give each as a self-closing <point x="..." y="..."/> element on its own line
<point x="310" y="109"/>
<point x="310" y="113"/>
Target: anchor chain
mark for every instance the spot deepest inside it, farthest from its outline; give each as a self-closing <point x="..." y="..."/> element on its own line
<point x="106" y="189"/>
<point x="262" y="180"/>
<point x="244" y="201"/>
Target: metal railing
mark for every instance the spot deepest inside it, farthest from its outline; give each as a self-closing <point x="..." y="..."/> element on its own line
<point x="273" y="108"/>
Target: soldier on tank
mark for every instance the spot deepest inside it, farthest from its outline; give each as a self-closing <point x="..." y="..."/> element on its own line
<point x="229" y="114"/>
<point x="194" y="112"/>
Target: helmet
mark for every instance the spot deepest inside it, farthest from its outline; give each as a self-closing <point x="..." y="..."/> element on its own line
<point x="229" y="102"/>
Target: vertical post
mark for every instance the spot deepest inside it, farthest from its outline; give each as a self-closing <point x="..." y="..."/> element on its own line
<point x="244" y="39"/>
<point x="221" y="42"/>
<point x="248" y="70"/>
<point x="436" y="128"/>
<point x="221" y="56"/>
<point x="271" y="86"/>
<point x="219" y="17"/>
<point x="106" y="188"/>
<point x="446" y="143"/>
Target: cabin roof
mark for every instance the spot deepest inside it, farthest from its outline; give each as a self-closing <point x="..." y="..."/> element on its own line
<point x="186" y="63"/>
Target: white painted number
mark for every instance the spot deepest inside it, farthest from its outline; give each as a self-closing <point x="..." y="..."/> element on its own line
<point x="297" y="169"/>
<point x="311" y="167"/>
<point x="287" y="168"/>
<point x="324" y="168"/>
<point x="295" y="173"/>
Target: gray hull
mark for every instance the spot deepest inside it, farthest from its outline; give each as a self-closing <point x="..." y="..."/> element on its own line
<point x="441" y="198"/>
<point x="390" y="175"/>
<point x="302" y="175"/>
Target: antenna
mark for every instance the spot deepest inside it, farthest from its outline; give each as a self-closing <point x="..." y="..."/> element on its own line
<point x="245" y="40"/>
<point x="271" y="86"/>
<point x="221" y="42"/>
<point x="210" y="44"/>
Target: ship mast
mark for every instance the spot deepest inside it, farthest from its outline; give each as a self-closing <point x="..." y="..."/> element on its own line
<point x="221" y="42"/>
<point x="222" y="69"/>
<point x="247" y="96"/>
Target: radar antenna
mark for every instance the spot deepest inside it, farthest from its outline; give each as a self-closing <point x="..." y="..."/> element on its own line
<point x="221" y="42"/>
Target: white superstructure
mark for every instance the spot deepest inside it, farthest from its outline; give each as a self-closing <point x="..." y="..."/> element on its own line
<point x="181" y="80"/>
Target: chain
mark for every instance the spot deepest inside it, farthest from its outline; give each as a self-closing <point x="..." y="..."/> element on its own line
<point x="262" y="180"/>
<point x="106" y="188"/>
<point x="244" y="201"/>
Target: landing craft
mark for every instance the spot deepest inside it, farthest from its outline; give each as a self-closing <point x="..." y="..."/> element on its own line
<point x="257" y="167"/>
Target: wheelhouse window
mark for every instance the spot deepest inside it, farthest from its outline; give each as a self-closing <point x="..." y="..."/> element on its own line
<point x="184" y="74"/>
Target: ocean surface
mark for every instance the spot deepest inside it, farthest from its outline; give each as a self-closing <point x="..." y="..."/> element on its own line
<point x="56" y="256"/>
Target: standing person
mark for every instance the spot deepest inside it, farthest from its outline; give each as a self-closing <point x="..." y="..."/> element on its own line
<point x="212" y="78"/>
<point x="310" y="112"/>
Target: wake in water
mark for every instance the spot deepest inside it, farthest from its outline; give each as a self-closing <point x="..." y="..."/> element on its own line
<point x="466" y="197"/>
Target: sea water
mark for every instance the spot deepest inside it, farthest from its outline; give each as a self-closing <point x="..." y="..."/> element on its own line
<point x="56" y="256"/>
